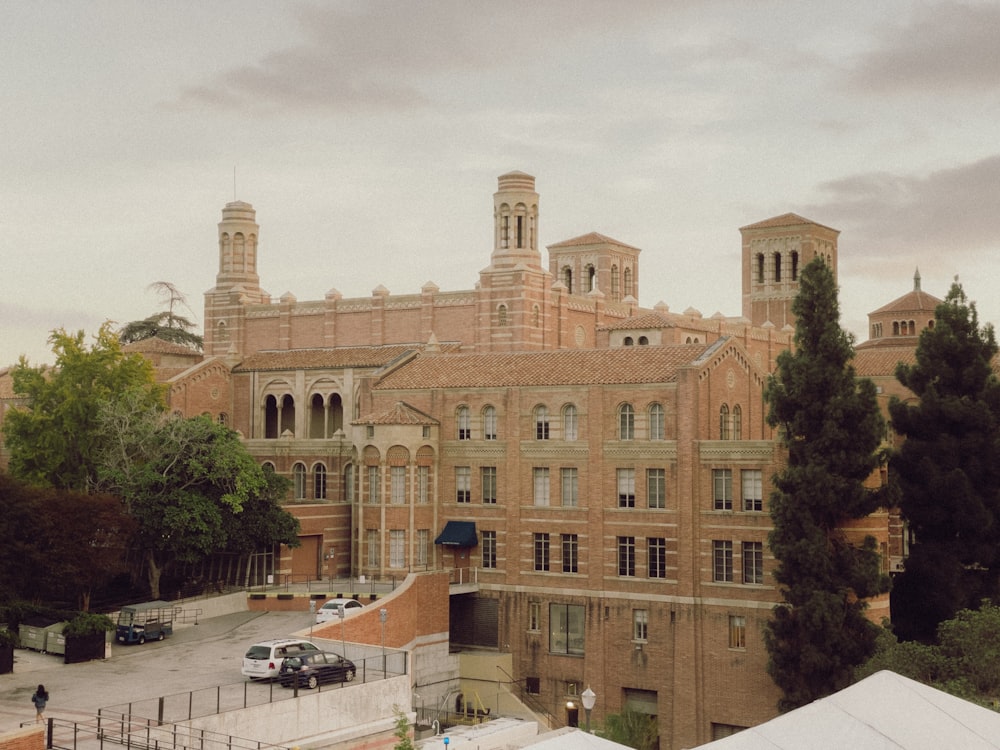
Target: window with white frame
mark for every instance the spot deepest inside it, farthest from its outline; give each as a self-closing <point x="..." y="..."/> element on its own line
<point x="722" y="489"/>
<point x="753" y="489"/>
<point x="626" y="556"/>
<point x="640" y="624"/>
<point x="464" y="423"/>
<point x="657" y="557"/>
<point x="463" y="484"/>
<point x="490" y="423"/>
<point x="319" y="482"/>
<point x="570" y="428"/>
<point x="540" y="482"/>
<point x="488" y="479"/>
<point x="541" y="551"/>
<point x="397" y="485"/>
<point x="570" y="553"/>
<point x="397" y="548"/>
<point x="722" y="561"/>
<point x="626" y="422"/>
<point x="489" y="551"/>
<point x="570" y="486"/>
<point x="423" y="546"/>
<point x="656" y="422"/>
<point x="423" y="484"/>
<point x="737" y="631"/>
<point x="534" y="616"/>
<point x="656" y="488"/>
<point x="373" y="485"/>
<point x="753" y="562"/>
<point x="541" y="423"/>
<point x="626" y="488"/>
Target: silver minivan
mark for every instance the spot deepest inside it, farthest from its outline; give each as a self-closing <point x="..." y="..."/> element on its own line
<point x="263" y="660"/>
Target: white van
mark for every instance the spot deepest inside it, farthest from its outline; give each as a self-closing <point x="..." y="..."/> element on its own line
<point x="263" y="660"/>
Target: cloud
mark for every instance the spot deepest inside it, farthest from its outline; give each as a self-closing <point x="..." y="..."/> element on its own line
<point x="942" y="48"/>
<point x="951" y="212"/>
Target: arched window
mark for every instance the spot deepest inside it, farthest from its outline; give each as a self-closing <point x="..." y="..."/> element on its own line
<point x="895" y="328"/>
<point x="777" y="267"/>
<point x="643" y="341"/>
<point x="349" y="483"/>
<point x="541" y="423"/>
<point x="536" y="316"/>
<point x="626" y="422"/>
<point x="319" y="482"/>
<point x="569" y="422"/>
<point x="628" y="282"/>
<point x="737" y="423"/>
<point x="223" y="418"/>
<point x="627" y="341"/>
<point x="568" y="279"/>
<point x="464" y="424"/>
<point x="760" y="268"/>
<point x="502" y="316"/>
<point x="656" y="425"/>
<point x="724" y="422"/>
<point x="795" y="266"/>
<point x="615" y="291"/>
<point x="299" y="481"/>
<point x="591" y="276"/>
<point x="490" y="423"/>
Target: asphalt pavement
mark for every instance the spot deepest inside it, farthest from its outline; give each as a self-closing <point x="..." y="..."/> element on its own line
<point x="195" y="656"/>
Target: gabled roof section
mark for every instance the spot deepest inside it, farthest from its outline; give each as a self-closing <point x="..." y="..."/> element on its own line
<point x="634" y="364"/>
<point x="320" y="359"/>
<point x="401" y="413"/>
<point x="593" y="238"/>
<point x="786" y="220"/>
<point x="646" y="321"/>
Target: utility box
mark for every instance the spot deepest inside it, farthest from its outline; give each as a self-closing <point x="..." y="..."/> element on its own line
<point x="55" y="641"/>
<point x="33" y="631"/>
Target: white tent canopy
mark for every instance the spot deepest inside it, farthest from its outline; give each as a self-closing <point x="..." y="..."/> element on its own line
<point x="883" y="712"/>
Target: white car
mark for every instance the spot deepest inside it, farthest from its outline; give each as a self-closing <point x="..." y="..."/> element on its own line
<point x="263" y="660"/>
<point x="331" y="609"/>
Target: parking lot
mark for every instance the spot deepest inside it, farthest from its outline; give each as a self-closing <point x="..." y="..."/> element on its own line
<point x="199" y="656"/>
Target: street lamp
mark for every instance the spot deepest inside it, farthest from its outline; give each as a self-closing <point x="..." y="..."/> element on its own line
<point x="383" y="615"/>
<point x="589" y="698"/>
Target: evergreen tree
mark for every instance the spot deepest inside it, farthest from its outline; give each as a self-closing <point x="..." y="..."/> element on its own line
<point x="948" y="469"/>
<point x="167" y="325"/>
<point x="831" y="426"/>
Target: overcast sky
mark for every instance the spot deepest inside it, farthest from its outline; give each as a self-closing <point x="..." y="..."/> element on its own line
<point x="369" y="136"/>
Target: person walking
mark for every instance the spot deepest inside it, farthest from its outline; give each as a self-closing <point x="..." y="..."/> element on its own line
<point x="40" y="698"/>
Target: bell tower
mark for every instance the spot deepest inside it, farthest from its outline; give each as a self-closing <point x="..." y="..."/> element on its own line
<point x="513" y="290"/>
<point x="236" y="283"/>
<point x="774" y="253"/>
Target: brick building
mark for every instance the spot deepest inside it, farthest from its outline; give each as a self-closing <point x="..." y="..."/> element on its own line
<point x="599" y="470"/>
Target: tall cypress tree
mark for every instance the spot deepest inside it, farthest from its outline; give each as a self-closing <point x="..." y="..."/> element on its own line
<point x="831" y="426"/>
<point x="948" y="470"/>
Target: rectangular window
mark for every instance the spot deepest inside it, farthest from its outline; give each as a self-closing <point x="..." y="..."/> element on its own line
<point x="488" y="475"/>
<point x="397" y="548"/>
<point x="423" y="484"/>
<point x="397" y="485"/>
<point x="463" y="484"/>
<point x="541" y="551"/>
<point x="656" y="488"/>
<point x="722" y="489"/>
<point x="534" y="616"/>
<point x="640" y="624"/>
<point x="373" y="485"/>
<point x="657" y="557"/>
<point x="569" y="479"/>
<point x="489" y="549"/>
<point x="737" y="631"/>
<point x="373" y="545"/>
<point x="753" y="489"/>
<point x="540" y="478"/>
<point x="626" y="556"/>
<point x="656" y="431"/>
<point x="753" y="562"/>
<point x="626" y="488"/>
<point x="722" y="561"/>
<point x="570" y="553"/>
<point x="423" y="545"/>
<point x="566" y="628"/>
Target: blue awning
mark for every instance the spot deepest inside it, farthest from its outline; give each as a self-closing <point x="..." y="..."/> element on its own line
<point x="458" y="534"/>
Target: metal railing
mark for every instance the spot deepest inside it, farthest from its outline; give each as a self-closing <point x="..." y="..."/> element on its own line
<point x="141" y="734"/>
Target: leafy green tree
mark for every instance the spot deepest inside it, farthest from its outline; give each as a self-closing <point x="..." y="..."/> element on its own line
<point x="948" y="470"/>
<point x="167" y="325"/>
<point x="830" y="424"/>
<point x="631" y="728"/>
<point x="51" y="438"/>
<point x="965" y="661"/>
<point x="402" y="731"/>
<point x="191" y="486"/>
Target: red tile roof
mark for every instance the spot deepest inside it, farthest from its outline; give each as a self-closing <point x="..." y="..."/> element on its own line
<point x="785" y="220"/>
<point x="319" y="359"/>
<point x="593" y="238"/>
<point x="634" y="364"/>
<point x="400" y="413"/>
<point x="915" y="301"/>
<point x="648" y="320"/>
<point x="881" y="361"/>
